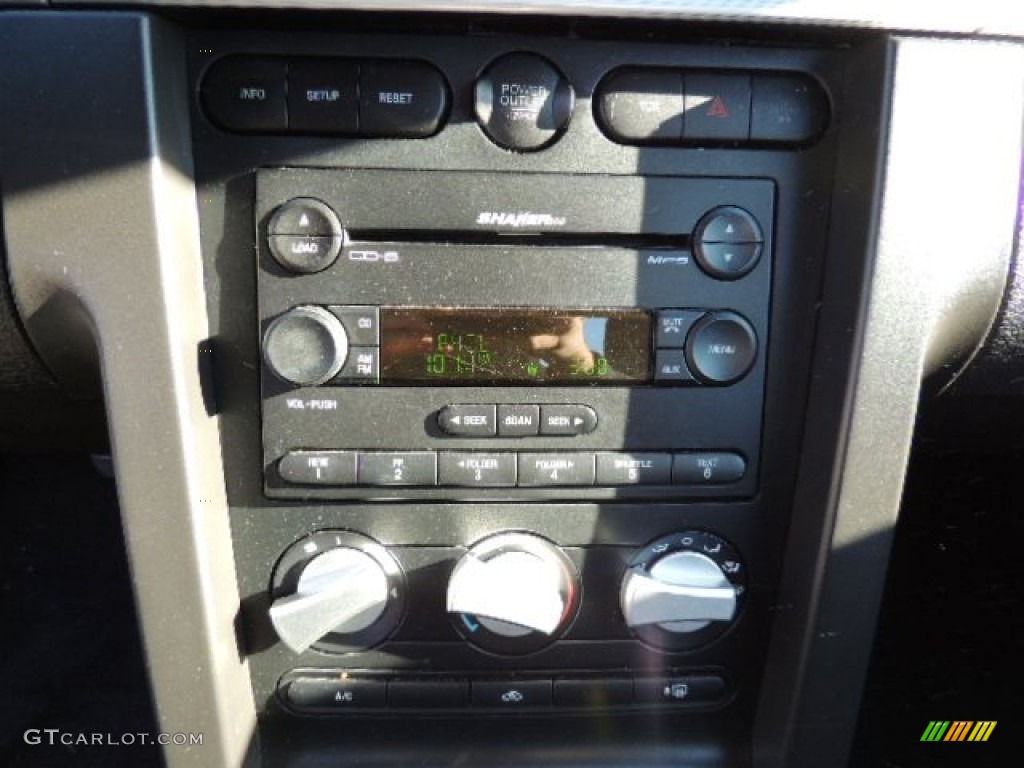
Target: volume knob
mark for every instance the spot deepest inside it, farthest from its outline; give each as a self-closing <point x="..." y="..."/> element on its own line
<point x="307" y="346"/>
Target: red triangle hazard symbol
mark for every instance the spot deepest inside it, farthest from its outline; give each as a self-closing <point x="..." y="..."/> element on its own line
<point x="718" y="108"/>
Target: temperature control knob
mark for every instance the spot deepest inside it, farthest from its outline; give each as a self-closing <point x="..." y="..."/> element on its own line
<point x="683" y="590"/>
<point x="306" y="345"/>
<point x="338" y="591"/>
<point x="513" y="593"/>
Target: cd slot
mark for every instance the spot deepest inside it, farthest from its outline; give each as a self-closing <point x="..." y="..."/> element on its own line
<point x="520" y="239"/>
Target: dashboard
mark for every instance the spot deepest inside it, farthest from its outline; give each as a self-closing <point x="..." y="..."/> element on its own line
<point x="499" y="385"/>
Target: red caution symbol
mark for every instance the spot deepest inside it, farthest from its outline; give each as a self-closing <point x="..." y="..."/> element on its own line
<point x="718" y="108"/>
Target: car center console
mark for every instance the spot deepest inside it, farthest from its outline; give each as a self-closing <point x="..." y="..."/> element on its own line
<point x="492" y="391"/>
<point x="521" y="333"/>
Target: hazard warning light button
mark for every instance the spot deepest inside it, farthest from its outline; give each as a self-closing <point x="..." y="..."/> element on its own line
<point x="716" y="107"/>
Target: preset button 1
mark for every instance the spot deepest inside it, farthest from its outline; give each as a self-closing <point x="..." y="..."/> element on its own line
<point x="318" y="467"/>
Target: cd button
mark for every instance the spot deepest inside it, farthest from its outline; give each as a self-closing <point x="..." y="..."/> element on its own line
<point x="568" y="420"/>
<point x="468" y="420"/>
<point x="518" y="420"/>
<point x="361" y="323"/>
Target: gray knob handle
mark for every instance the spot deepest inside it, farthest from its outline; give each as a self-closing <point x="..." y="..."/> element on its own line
<point x="342" y="590"/>
<point x="682" y="592"/>
<point x="510" y="592"/>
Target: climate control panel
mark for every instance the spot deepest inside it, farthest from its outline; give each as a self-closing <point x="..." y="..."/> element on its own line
<point x="510" y="595"/>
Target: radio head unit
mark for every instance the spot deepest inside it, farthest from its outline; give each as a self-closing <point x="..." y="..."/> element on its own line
<point x="424" y="332"/>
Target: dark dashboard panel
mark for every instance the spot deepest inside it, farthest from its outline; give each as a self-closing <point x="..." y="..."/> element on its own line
<point x="453" y="220"/>
<point x="507" y="540"/>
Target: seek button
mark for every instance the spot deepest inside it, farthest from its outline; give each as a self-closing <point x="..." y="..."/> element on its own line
<point x="567" y="420"/>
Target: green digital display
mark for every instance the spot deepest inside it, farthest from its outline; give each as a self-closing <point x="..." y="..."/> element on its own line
<point x="454" y="345"/>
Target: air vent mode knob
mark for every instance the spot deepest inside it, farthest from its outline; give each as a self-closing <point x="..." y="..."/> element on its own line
<point x="683" y="591"/>
<point x="513" y="593"/>
<point x="338" y="592"/>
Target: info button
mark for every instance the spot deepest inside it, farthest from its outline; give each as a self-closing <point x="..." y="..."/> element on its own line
<point x="468" y="420"/>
